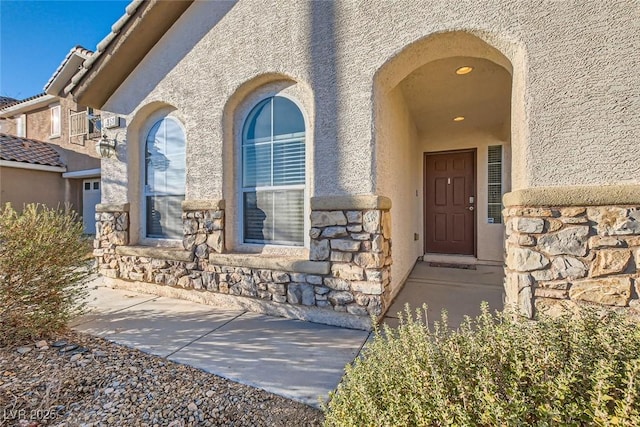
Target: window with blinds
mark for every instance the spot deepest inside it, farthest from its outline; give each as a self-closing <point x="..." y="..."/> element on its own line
<point x="164" y="179"/>
<point x="494" y="174"/>
<point x="273" y="173"/>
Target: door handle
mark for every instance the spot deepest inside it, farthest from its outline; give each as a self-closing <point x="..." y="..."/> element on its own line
<point x="470" y="208"/>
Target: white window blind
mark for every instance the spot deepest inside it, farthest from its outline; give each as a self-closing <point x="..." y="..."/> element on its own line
<point x="273" y="173"/>
<point x="165" y="179"/>
<point x="494" y="174"/>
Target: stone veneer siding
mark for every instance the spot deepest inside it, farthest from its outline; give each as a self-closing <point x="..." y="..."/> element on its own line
<point x="348" y="271"/>
<point x="560" y="257"/>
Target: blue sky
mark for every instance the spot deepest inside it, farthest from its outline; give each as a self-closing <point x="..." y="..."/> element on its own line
<point x="35" y="36"/>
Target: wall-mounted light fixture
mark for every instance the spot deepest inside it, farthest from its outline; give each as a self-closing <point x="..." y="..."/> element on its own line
<point x="106" y="147"/>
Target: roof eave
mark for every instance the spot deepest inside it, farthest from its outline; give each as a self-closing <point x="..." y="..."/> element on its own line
<point x="129" y="42"/>
<point x="28" y="105"/>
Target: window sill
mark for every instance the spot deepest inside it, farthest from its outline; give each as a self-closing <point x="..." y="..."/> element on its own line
<point x="173" y="254"/>
<point x="280" y="263"/>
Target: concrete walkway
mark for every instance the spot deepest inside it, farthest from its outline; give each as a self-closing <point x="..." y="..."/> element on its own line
<point x="299" y="360"/>
<point x="459" y="291"/>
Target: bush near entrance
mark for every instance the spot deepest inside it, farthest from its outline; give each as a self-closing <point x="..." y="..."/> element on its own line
<point x="495" y="370"/>
<point x="43" y="270"/>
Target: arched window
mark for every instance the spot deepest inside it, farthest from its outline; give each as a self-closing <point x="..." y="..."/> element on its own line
<point x="164" y="179"/>
<point x="273" y="173"/>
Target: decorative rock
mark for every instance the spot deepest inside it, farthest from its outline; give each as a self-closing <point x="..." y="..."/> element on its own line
<point x="319" y="250"/>
<point x="551" y="293"/>
<point x="569" y="241"/>
<point x="360" y="236"/>
<point x="308" y="294"/>
<point x="321" y="290"/>
<point x="336" y="284"/>
<point x="357" y="310"/>
<point x="377" y="243"/>
<point x="554" y="285"/>
<point x="615" y="291"/>
<point x="314" y="233"/>
<point x="119" y="238"/>
<point x="374" y="275"/>
<point x="337" y="256"/>
<point x="386" y="224"/>
<point x="371" y="221"/>
<point x="568" y="267"/>
<point x="347" y="272"/>
<point x="345" y="245"/>
<point x="192" y="407"/>
<point x="24" y="349"/>
<point x="216" y="241"/>
<point x="596" y="242"/>
<point x="368" y="260"/>
<point x="613" y="221"/>
<point x="294" y="294"/>
<point x="340" y="297"/>
<point x="314" y="280"/>
<point x="572" y="211"/>
<point x="41" y="343"/>
<point x="189" y="242"/>
<point x="327" y="218"/>
<point x="280" y="277"/>
<point x="355" y="228"/>
<point x="528" y="225"/>
<point x="190" y="226"/>
<point x="369" y="288"/>
<point x="279" y="298"/>
<point x="333" y="232"/>
<point x="354" y="217"/>
<point x="514" y="283"/>
<point x="525" y="302"/>
<point x="298" y="277"/>
<point x="523" y="259"/>
<point x="610" y="261"/>
<point x="526" y="240"/>
<point x="554" y="225"/>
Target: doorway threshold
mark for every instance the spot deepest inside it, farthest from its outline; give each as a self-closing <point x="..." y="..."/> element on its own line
<point x="458" y="260"/>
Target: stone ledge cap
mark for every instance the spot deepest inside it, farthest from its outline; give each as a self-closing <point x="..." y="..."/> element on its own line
<point x="580" y="195"/>
<point x="286" y="264"/>
<point x="202" y="205"/>
<point x="355" y="202"/>
<point x="172" y="254"/>
<point x="112" y="207"/>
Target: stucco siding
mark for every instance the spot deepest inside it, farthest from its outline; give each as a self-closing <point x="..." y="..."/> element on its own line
<point x="574" y="94"/>
<point x="21" y="186"/>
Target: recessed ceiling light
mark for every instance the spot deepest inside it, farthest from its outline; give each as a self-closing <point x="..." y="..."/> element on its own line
<point x="458" y="119"/>
<point x="464" y="70"/>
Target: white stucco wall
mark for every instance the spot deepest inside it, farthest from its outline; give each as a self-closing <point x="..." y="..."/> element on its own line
<point x="575" y="101"/>
<point x="403" y="185"/>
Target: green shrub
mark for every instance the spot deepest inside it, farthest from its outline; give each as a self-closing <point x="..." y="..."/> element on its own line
<point x="495" y="371"/>
<point x="43" y="270"/>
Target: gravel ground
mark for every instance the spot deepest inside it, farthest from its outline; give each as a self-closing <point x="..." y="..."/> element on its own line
<point x="108" y="384"/>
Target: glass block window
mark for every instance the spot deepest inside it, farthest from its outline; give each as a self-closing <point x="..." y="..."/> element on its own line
<point x="494" y="173"/>
<point x="164" y="179"/>
<point x="273" y="173"/>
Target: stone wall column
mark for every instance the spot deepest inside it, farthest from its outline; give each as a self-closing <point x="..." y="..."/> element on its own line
<point x="353" y="233"/>
<point x="203" y="226"/>
<point x="561" y="257"/>
<point x="112" y="230"/>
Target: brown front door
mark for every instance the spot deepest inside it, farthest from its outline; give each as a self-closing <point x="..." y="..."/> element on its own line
<point x="450" y="191"/>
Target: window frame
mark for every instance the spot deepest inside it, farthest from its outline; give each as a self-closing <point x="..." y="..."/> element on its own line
<point x="241" y="190"/>
<point x="21" y="125"/>
<point x="55" y="110"/>
<point x="144" y="238"/>
<point x="489" y="183"/>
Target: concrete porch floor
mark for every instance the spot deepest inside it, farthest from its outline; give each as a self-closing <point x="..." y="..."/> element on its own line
<point x="458" y="291"/>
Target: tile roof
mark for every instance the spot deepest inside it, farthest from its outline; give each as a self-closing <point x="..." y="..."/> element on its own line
<point x="4" y="100"/>
<point x="20" y="101"/>
<point x="102" y="46"/>
<point x="26" y="150"/>
<point x="76" y="50"/>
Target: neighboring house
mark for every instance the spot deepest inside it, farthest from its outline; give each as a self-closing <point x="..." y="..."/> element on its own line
<point x="64" y="126"/>
<point x="297" y="158"/>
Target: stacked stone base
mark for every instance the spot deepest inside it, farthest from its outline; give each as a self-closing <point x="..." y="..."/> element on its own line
<point x="345" y="282"/>
<point x="559" y="258"/>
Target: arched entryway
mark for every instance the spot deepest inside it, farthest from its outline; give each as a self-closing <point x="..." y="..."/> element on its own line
<point x="443" y="150"/>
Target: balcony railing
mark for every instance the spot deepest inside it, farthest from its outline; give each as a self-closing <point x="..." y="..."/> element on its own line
<point x="78" y="124"/>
